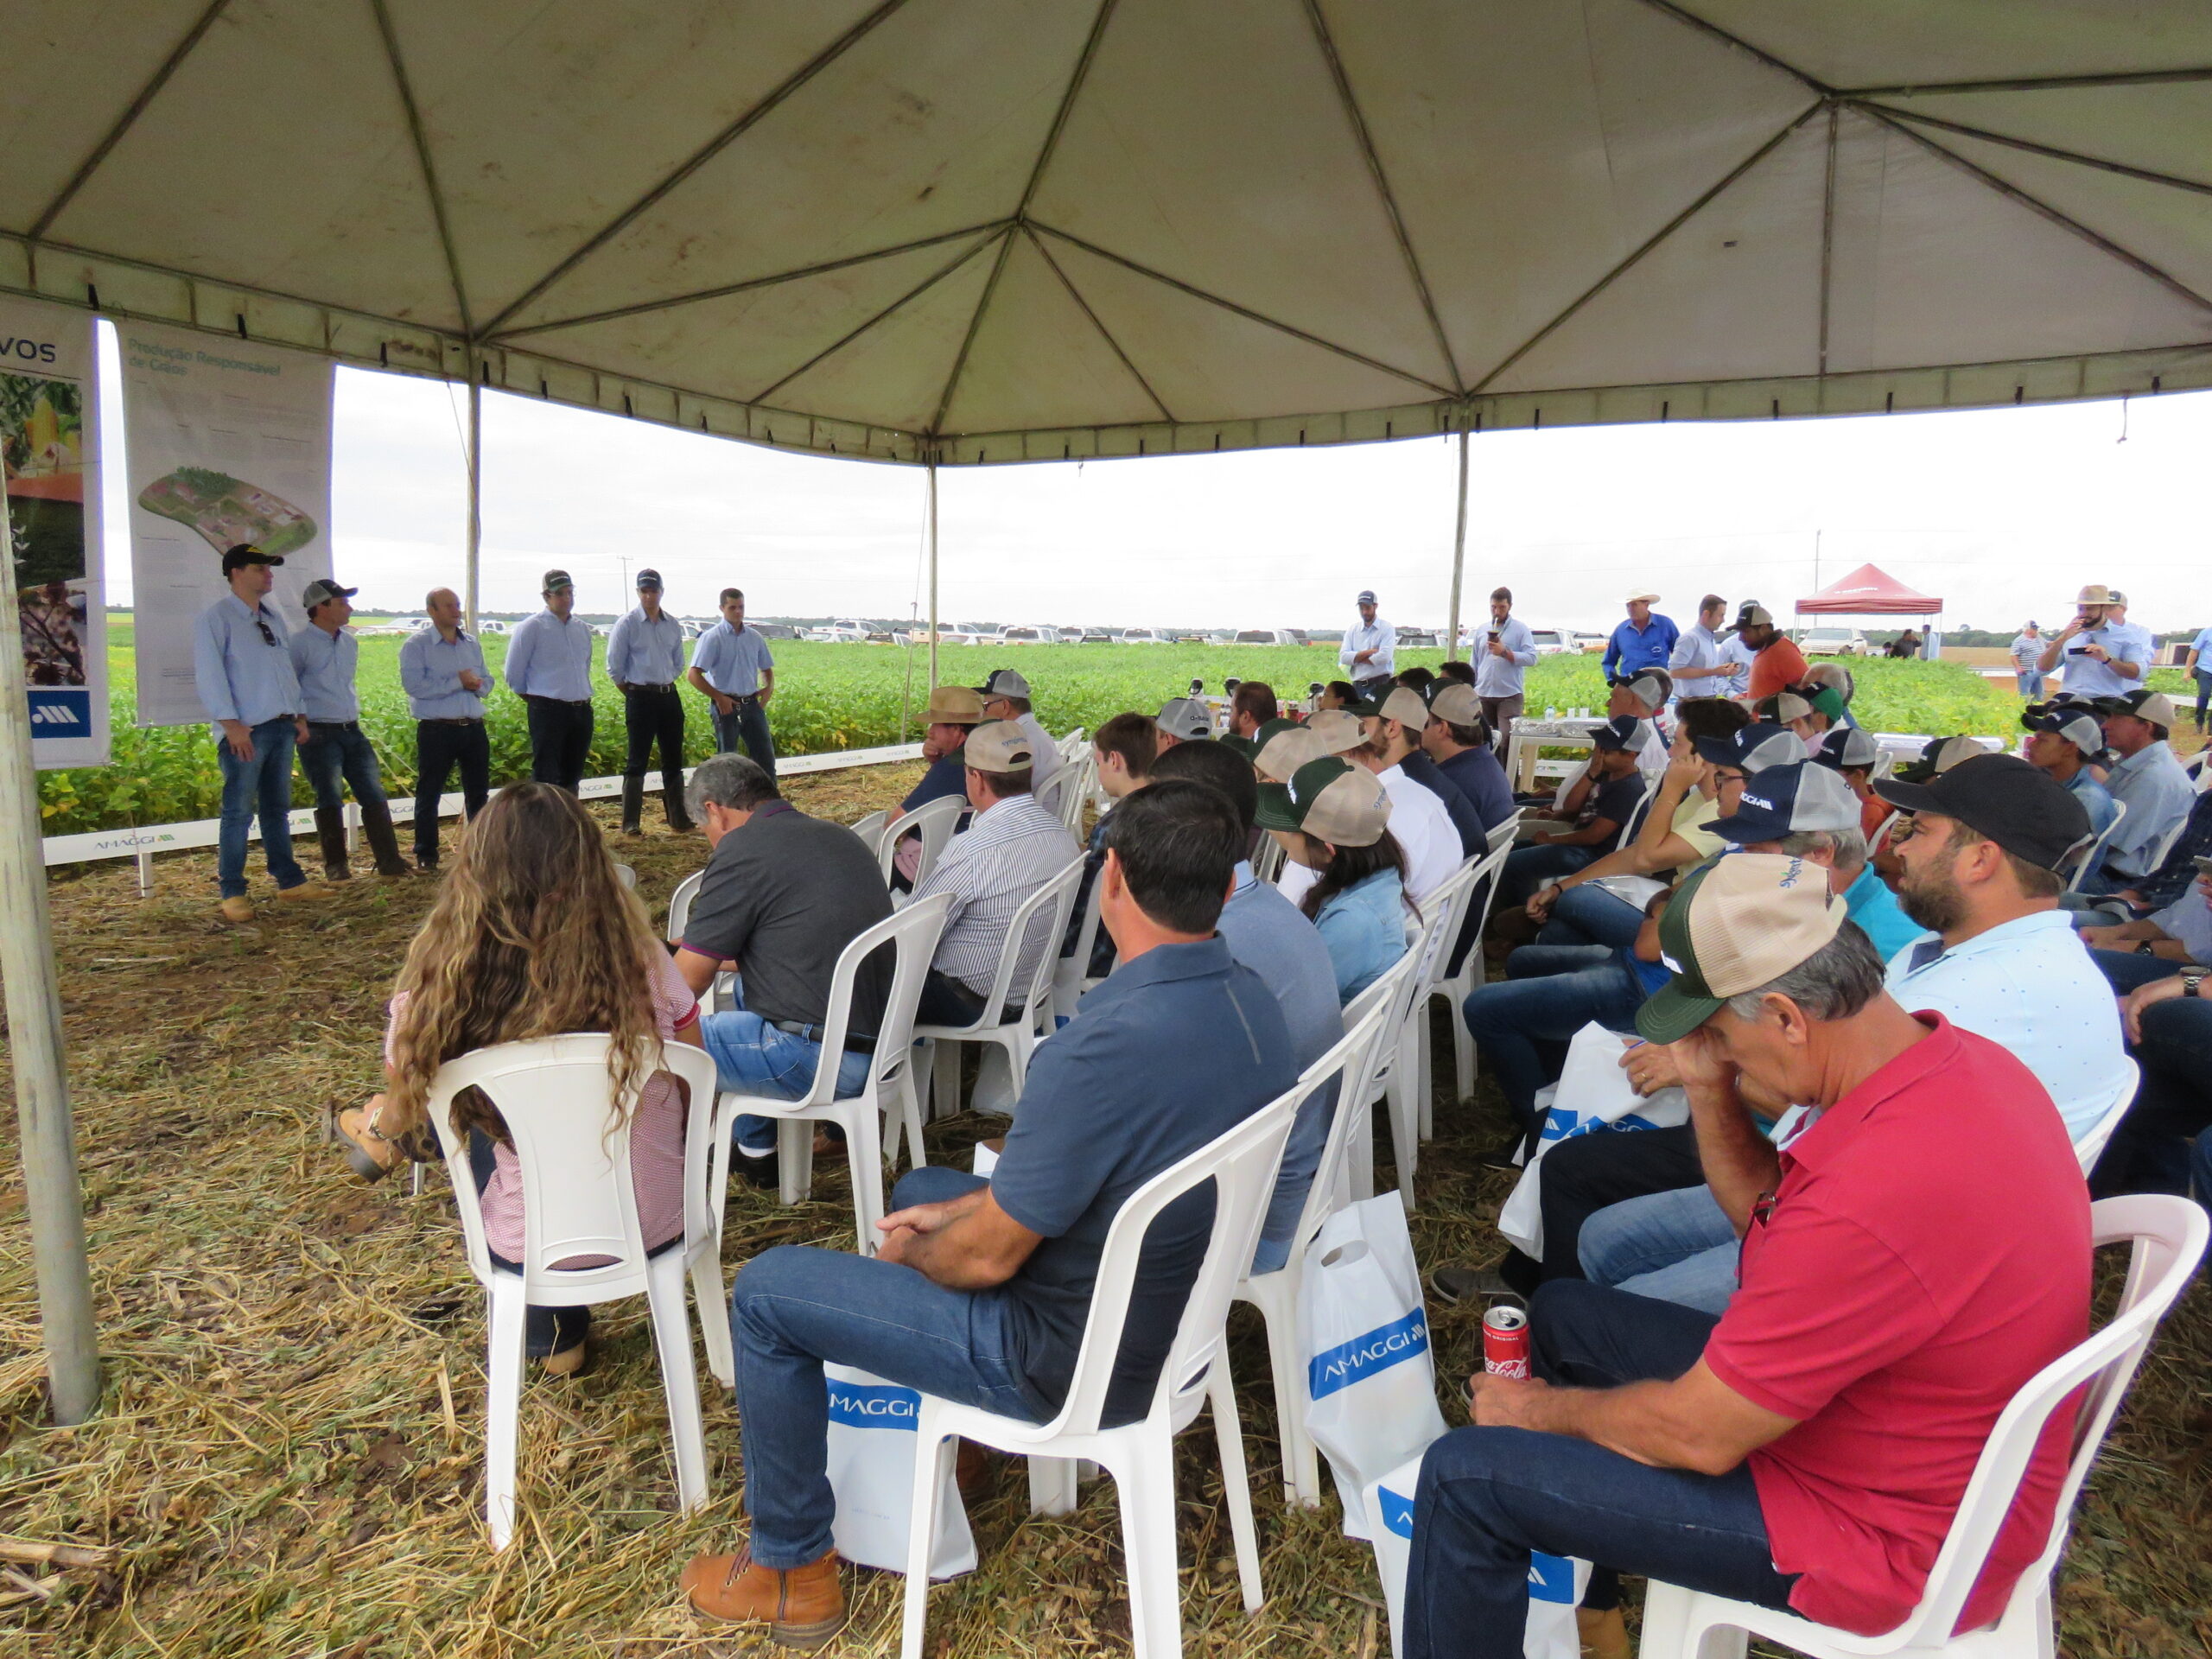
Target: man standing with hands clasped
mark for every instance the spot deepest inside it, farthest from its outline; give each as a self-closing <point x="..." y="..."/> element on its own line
<point x="548" y="667"/>
<point x="442" y="671"/>
<point x="324" y="656"/>
<point x="645" y="658"/>
<point x="733" y="670"/>
<point x="244" y="672"/>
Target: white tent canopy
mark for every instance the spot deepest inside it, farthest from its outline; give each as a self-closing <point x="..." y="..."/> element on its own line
<point x="1001" y="230"/>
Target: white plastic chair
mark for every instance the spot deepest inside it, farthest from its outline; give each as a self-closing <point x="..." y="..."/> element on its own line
<point x="2164" y="847"/>
<point x="1352" y="1062"/>
<point x="723" y="991"/>
<point x="2091" y="1146"/>
<point x="870" y="829"/>
<point x="1460" y="892"/>
<point x="1071" y="972"/>
<point x="1044" y="917"/>
<point x="1407" y="1088"/>
<point x="2093" y="856"/>
<point x="579" y="1201"/>
<point x="1474" y="970"/>
<point x="626" y="876"/>
<point x="1063" y="786"/>
<point x="1140" y="1456"/>
<point x="934" y="822"/>
<point x="1502" y="834"/>
<point x="911" y="933"/>
<point x="2167" y="1237"/>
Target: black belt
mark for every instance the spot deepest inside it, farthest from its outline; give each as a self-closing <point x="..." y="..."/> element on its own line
<point x="335" y="725"/>
<point x="564" y="702"/>
<point x="639" y="686"/>
<point x="452" y="720"/>
<point x="855" y="1042"/>
<point x="742" y="696"/>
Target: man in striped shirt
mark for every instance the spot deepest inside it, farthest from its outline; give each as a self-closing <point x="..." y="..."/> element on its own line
<point x="1012" y="847"/>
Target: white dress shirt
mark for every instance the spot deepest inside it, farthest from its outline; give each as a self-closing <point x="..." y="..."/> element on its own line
<point x="1378" y="636"/>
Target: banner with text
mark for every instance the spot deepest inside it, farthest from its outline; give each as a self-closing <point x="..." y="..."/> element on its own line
<point x="49" y="442"/>
<point x="229" y="442"/>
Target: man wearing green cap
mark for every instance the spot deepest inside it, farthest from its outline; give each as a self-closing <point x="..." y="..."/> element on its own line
<point x="1914" y="1252"/>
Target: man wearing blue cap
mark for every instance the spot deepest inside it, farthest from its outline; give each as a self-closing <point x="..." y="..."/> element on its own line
<point x="645" y="658"/>
<point x="1370" y="652"/>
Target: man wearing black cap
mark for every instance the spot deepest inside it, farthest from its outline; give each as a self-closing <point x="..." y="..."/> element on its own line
<point x="1370" y="651"/>
<point x="645" y="658"/>
<point x="244" y="672"/>
<point x="548" y="667"/>
<point x="324" y="656"/>
<point x="2064" y="742"/>
<point x="1598" y="809"/>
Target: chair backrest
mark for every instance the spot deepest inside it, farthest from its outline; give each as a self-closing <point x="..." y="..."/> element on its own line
<point x="1242" y="1165"/>
<point x="2093" y="857"/>
<point x="1086" y="932"/>
<point x="1638" y="814"/>
<point x="680" y="902"/>
<point x="2167" y="1237"/>
<point x="574" y="1154"/>
<point x="2161" y="848"/>
<point x="1356" y="1058"/>
<point x="2091" y="1146"/>
<point x="1502" y="834"/>
<point x="1268" y="859"/>
<point x="870" y="829"/>
<point x="934" y="822"/>
<point x="1881" y="838"/>
<point x="1483" y="891"/>
<point x="912" y="932"/>
<point x="1043" y="918"/>
<point x="1071" y="744"/>
<point x="1386" y="988"/>
<point x="1056" y="791"/>
<point x="626" y="876"/>
<point x="1084" y="766"/>
<point x="1443" y="912"/>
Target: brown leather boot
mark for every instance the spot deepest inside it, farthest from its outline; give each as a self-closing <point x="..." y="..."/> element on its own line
<point x="803" y="1607"/>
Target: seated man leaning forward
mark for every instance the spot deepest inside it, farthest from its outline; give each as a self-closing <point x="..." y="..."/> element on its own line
<point x="1910" y="1259"/>
<point x="980" y="1289"/>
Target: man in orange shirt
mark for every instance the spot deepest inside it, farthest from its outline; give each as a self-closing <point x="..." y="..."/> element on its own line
<point x="1776" y="663"/>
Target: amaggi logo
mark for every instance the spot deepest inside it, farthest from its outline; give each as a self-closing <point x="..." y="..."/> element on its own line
<point x="26" y="350"/>
<point x="873" y="1405"/>
<point x="1364" y="1357"/>
<point x="59" y="713"/>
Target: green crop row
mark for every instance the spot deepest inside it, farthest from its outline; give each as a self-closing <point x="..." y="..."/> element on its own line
<point x="835" y="697"/>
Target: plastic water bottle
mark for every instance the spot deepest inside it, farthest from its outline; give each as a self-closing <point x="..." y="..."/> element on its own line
<point x="1551" y="714"/>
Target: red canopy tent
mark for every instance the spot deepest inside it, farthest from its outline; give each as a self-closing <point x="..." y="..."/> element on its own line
<point x="1869" y="591"/>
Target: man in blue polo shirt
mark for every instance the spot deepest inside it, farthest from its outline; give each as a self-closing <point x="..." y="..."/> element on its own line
<point x="733" y="669"/>
<point x="324" y="657"/>
<point x="1645" y="641"/>
<point x="980" y="1289"/>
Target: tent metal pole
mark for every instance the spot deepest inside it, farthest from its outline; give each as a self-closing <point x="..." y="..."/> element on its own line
<point x="34" y="999"/>
<point x="933" y="629"/>
<point x="475" y="490"/>
<point x="1458" y="547"/>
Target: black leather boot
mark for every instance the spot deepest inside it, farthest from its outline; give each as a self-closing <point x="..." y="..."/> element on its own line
<point x="330" y="830"/>
<point x="384" y="841"/>
<point x="634" y="803"/>
<point x="671" y="794"/>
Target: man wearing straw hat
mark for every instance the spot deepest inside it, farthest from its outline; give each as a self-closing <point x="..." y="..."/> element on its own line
<point x="1915" y="1249"/>
<point x="1645" y="641"/>
<point x="2100" y="659"/>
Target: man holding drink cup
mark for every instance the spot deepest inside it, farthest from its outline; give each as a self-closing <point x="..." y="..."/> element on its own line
<point x="2102" y="659"/>
<point x="1503" y="654"/>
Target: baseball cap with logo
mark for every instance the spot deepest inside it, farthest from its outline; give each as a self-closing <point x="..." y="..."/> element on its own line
<point x="2000" y="796"/>
<point x="1754" y="616"/>
<point x="555" y="580"/>
<point x="1733" y="925"/>
<point x="1403" y="705"/>
<point x="1938" y="755"/>
<point x="321" y="590"/>
<point x="1337" y="729"/>
<point x="954" y="705"/>
<point x="1787" y="801"/>
<point x="648" y="578"/>
<point x="1650" y="686"/>
<point x="1330" y="799"/>
<point x="2154" y="706"/>
<point x="1849" y="746"/>
<point x="1787" y="706"/>
<point x="238" y="555"/>
<point x="1268" y="730"/>
<point x="1284" y="753"/>
<point x="1455" y="704"/>
<point x="999" y="746"/>
<point x="1185" y="717"/>
<point x="1753" y="747"/>
<point x="1366" y="596"/>
<point x="1003" y="682"/>
<point x="2077" y="725"/>
<point x="1626" y="732"/>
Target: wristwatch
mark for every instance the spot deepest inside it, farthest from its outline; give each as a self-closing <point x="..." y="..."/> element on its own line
<point x="2143" y="948"/>
<point x="2192" y="980"/>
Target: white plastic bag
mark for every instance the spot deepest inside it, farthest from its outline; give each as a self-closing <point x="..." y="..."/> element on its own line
<point x="872" y="1472"/>
<point x="1555" y="1582"/>
<point x="1593" y="1096"/>
<point x="1363" y="1335"/>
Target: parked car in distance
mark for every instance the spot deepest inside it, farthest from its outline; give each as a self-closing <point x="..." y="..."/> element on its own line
<point x="1029" y="636"/>
<point x="1147" y="637"/>
<point x="1592" y="645"/>
<point x="1267" y="637"/>
<point x="846" y="633"/>
<point x="1097" y="637"/>
<point x="765" y="630"/>
<point x="486" y="625"/>
<point x="1549" y="642"/>
<point x="1832" y="642"/>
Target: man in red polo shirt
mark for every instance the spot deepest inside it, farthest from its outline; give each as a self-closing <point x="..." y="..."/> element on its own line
<point x="1914" y="1252"/>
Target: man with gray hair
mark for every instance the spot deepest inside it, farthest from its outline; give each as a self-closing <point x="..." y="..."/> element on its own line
<point x="782" y="895"/>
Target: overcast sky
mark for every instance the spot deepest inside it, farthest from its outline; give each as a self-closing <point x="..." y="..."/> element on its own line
<point x="2003" y="513"/>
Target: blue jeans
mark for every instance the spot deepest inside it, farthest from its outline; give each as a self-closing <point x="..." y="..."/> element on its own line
<point x="1522" y="1023"/>
<point x="753" y="1058"/>
<point x="1528" y="867"/>
<point x="1589" y="915"/>
<point x="1677" y="1247"/>
<point x="1488" y="1497"/>
<point x="2031" y="683"/>
<point x="332" y="751"/>
<point x="2203" y="679"/>
<point x="746" y="728"/>
<point x="260" y="787"/>
<point x="2150" y="1149"/>
<point x="794" y="1307"/>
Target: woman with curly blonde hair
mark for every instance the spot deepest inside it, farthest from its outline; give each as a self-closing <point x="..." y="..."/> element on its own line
<point x="533" y="935"/>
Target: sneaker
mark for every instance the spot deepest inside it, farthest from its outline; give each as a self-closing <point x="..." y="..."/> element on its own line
<point x="758" y="1171"/>
<point x="803" y="1606"/>
<point x="307" y="892"/>
<point x="1457" y="1285"/>
<point x="237" y="911"/>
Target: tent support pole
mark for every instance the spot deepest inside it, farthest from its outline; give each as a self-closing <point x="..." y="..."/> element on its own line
<point x="475" y="491"/>
<point x="34" y="1000"/>
<point x="1459" y="549"/>
<point x="933" y="629"/>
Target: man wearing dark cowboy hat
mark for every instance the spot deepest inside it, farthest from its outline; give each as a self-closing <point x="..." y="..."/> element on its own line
<point x="548" y="667"/>
<point x="324" y="656"/>
<point x="645" y="658"/>
<point x="244" y="672"/>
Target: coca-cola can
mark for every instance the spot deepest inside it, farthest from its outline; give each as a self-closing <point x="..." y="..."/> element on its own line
<point x="1505" y="1341"/>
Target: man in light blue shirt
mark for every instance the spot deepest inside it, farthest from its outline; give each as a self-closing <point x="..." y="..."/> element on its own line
<point x="1370" y="651"/>
<point x="645" y="658"/>
<point x="2101" y="660"/>
<point x="1701" y="666"/>
<point x="244" y="677"/>
<point x="733" y="669"/>
<point x="2064" y="742"/>
<point x="2198" y="662"/>
<point x="324" y="656"/>
<point x="548" y="667"/>
<point x="1504" y="652"/>
<point x="1645" y="641"/>
<point x="2147" y="778"/>
<point x="442" y="671"/>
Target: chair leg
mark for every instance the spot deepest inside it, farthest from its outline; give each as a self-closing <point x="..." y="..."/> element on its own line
<point x="864" y="1157"/>
<point x="795" y="1160"/>
<point x="1424" y="1073"/>
<point x="713" y="1312"/>
<point x="1462" y="1046"/>
<point x="1237" y="1488"/>
<point x="918" y="1155"/>
<point x="679" y="1379"/>
<point x="1146" y="1480"/>
<point x="944" y="1082"/>
<point x="502" y="1404"/>
<point x="1405" y="1140"/>
<point x="1362" y="1161"/>
<point x="1052" y="1486"/>
<point x="1673" y="1630"/>
<point x="932" y="1453"/>
<point x="1302" y="1459"/>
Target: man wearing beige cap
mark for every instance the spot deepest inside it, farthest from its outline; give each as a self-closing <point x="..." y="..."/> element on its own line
<point x="1012" y="848"/>
<point x="2094" y="657"/>
<point x="1420" y="821"/>
<point x="1776" y="661"/>
<point x="1645" y="641"/>
<point x="1454" y="739"/>
<point x="2147" y="780"/>
<point x="1394" y="733"/>
<point x="1911" y="1255"/>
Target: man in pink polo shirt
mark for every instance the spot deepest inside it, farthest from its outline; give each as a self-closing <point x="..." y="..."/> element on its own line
<point x="1915" y="1248"/>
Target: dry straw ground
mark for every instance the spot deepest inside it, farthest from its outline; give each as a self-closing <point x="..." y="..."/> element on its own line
<point x="288" y="1460"/>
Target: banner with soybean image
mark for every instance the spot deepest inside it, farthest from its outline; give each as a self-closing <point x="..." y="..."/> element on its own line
<point x="229" y="441"/>
<point x="49" y="444"/>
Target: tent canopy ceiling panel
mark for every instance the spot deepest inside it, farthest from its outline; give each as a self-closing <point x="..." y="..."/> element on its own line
<point x="997" y="230"/>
